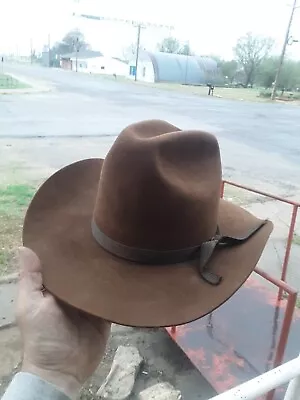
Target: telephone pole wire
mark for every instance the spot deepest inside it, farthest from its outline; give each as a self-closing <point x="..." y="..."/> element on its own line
<point x="287" y="35"/>
<point x="137" y="51"/>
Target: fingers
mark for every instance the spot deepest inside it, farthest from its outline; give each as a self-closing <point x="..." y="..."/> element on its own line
<point x="30" y="271"/>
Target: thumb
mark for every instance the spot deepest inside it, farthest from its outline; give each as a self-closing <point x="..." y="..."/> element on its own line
<point x="30" y="271"/>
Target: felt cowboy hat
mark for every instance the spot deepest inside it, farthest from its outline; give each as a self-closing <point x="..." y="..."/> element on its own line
<point x="142" y="237"/>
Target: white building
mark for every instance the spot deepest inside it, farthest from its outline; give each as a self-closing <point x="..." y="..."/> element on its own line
<point x="94" y="62"/>
<point x="176" y="68"/>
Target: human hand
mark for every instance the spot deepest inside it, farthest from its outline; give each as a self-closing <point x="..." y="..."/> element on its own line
<point x="60" y="344"/>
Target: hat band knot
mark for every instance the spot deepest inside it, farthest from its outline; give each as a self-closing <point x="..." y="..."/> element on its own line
<point x="203" y="252"/>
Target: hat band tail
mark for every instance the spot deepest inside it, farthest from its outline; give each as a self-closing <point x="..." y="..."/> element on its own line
<point x="203" y="252"/>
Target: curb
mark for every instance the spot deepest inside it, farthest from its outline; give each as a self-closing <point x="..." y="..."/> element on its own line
<point x="24" y="91"/>
<point x="9" y="325"/>
<point x="34" y="87"/>
<point x="11" y="278"/>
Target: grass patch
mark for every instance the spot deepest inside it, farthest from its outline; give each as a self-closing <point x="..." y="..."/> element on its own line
<point x="241" y="94"/>
<point x="14" y="200"/>
<point x="8" y="82"/>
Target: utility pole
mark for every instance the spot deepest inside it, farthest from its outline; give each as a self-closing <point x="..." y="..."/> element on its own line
<point x="137" y="51"/>
<point x="187" y="61"/>
<point x="76" y="45"/>
<point x="286" y="40"/>
<point x="49" y="51"/>
<point x="31" y="51"/>
<point x="137" y="24"/>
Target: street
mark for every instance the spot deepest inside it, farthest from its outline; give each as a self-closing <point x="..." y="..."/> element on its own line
<point x="79" y="116"/>
<point x="260" y="142"/>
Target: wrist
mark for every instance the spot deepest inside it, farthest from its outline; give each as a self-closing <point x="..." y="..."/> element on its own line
<point x="66" y="383"/>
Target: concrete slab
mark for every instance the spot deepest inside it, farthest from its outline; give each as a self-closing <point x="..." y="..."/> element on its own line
<point x="8" y="293"/>
<point x="10" y="353"/>
<point x="272" y="258"/>
<point x="278" y="212"/>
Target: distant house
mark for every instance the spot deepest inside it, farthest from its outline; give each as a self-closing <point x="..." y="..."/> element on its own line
<point x="177" y="68"/>
<point x="95" y="62"/>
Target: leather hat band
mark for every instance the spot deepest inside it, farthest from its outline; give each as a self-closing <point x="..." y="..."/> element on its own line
<point x="202" y="252"/>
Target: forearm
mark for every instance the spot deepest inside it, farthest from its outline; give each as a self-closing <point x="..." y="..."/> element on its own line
<point x="26" y="386"/>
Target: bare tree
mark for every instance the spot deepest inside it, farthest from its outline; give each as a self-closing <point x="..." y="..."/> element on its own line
<point x="250" y="51"/>
<point x="129" y="52"/>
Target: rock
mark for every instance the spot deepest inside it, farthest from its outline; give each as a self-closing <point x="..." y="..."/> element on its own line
<point x="161" y="391"/>
<point x="119" y="383"/>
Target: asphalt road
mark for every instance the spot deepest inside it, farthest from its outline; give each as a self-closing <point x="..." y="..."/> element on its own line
<point x="260" y="143"/>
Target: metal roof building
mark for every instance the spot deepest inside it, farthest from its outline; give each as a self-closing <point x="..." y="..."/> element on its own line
<point x="177" y="68"/>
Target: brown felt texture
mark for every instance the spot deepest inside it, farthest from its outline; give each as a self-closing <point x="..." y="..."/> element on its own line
<point x="158" y="189"/>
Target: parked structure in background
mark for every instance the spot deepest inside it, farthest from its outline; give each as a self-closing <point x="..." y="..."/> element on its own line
<point x="176" y="68"/>
<point x="94" y="62"/>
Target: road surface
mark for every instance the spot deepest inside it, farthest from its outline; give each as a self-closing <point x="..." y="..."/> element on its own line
<point x="260" y="143"/>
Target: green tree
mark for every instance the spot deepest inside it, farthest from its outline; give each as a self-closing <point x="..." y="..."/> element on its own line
<point x="267" y="72"/>
<point x="289" y="77"/>
<point x="170" y="45"/>
<point x="72" y="41"/>
<point x="250" y="51"/>
<point x="185" y="50"/>
<point x="229" y="70"/>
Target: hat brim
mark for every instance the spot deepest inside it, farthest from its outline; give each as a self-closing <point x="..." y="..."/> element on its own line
<point x="80" y="273"/>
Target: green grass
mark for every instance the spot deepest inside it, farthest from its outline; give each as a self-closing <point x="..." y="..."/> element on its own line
<point x="296" y="239"/>
<point x="220" y="92"/>
<point x="8" y="82"/>
<point x="14" y="200"/>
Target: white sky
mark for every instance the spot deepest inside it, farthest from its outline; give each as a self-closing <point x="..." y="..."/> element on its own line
<point x="211" y="26"/>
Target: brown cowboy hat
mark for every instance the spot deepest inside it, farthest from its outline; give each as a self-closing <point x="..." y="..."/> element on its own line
<point x="149" y="243"/>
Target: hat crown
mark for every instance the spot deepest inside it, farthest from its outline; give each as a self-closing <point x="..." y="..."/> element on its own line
<point x="159" y="187"/>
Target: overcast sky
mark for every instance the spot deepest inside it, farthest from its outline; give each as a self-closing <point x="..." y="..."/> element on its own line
<point x="211" y="26"/>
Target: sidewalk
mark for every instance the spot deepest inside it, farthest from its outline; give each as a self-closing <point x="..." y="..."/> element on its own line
<point x="8" y="291"/>
<point x="272" y="259"/>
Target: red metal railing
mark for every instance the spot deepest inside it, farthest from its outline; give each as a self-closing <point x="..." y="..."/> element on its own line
<point x="280" y="283"/>
<point x="289" y="242"/>
<point x="287" y="319"/>
<point x="288" y="315"/>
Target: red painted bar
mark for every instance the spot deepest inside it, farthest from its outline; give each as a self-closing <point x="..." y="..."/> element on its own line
<point x="289" y="243"/>
<point x="272" y="196"/>
<point x="243" y="338"/>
